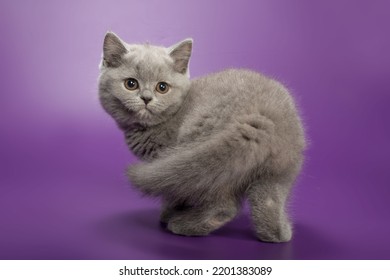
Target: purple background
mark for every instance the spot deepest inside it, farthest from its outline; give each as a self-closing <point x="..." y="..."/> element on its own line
<point x="63" y="193"/>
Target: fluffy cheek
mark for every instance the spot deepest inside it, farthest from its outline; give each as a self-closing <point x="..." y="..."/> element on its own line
<point x="170" y="103"/>
<point x="127" y="98"/>
<point x="132" y="103"/>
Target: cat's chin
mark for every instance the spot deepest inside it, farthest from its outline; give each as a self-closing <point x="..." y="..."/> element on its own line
<point x="147" y="117"/>
<point x="146" y="113"/>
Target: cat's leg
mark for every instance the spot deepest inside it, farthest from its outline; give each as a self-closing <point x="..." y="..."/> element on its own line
<point x="201" y="220"/>
<point x="267" y="202"/>
<point x="169" y="209"/>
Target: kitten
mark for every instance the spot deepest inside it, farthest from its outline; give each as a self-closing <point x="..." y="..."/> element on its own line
<point x="206" y="144"/>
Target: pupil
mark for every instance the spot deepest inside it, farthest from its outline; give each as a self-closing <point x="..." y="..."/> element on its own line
<point x="162" y="86"/>
<point x="131" y="83"/>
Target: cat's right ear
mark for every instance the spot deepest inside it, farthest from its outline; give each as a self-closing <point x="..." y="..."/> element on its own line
<point x="113" y="50"/>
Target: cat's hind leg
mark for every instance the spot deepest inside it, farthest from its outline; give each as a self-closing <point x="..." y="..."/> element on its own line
<point x="267" y="202"/>
<point x="170" y="209"/>
<point x="201" y="220"/>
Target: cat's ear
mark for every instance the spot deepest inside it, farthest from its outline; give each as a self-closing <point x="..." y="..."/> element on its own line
<point x="181" y="53"/>
<point x="113" y="50"/>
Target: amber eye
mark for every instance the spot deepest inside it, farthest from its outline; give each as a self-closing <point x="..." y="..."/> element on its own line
<point x="131" y="84"/>
<point x="162" y="87"/>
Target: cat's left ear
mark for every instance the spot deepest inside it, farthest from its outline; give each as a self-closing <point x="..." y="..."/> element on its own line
<point x="181" y="53"/>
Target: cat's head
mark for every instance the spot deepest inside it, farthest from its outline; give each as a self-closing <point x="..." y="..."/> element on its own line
<point x="143" y="84"/>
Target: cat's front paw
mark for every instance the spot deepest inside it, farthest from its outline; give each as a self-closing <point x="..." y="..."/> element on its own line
<point x="180" y="226"/>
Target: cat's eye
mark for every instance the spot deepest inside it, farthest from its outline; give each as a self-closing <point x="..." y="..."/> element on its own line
<point x="162" y="87"/>
<point x="131" y="84"/>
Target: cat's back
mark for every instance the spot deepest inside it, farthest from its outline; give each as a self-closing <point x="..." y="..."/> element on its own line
<point x="240" y="91"/>
<point x="221" y="98"/>
<point x="239" y="105"/>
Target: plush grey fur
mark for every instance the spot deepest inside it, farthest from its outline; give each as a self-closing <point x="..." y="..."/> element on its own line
<point x="207" y="143"/>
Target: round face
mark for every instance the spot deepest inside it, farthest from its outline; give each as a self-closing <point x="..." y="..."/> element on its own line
<point x="146" y="83"/>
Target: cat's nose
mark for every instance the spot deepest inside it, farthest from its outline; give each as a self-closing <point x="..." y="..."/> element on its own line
<point x="146" y="96"/>
<point x="146" y="99"/>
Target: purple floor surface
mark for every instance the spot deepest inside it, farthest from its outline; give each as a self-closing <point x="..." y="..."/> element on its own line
<point x="63" y="192"/>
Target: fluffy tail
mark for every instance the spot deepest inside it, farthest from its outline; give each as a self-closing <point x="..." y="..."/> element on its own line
<point x="194" y="171"/>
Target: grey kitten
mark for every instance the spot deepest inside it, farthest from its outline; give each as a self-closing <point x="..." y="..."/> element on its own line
<point x="206" y="144"/>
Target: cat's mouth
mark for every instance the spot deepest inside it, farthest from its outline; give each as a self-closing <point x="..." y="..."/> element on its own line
<point x="148" y="109"/>
<point x="145" y="112"/>
<point x="140" y="109"/>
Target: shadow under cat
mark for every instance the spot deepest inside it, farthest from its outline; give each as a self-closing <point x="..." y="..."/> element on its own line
<point x="137" y="231"/>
